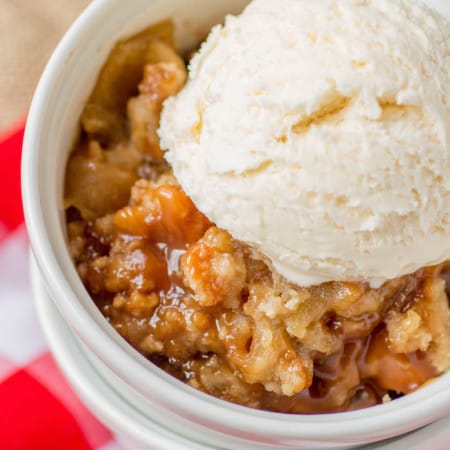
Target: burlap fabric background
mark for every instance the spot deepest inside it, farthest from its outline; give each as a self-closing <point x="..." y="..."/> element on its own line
<point x="29" y="31"/>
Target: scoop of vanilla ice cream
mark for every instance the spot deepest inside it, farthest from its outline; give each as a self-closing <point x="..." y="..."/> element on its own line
<point x="319" y="133"/>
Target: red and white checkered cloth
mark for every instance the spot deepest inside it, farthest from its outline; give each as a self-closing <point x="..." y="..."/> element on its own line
<point x="38" y="409"/>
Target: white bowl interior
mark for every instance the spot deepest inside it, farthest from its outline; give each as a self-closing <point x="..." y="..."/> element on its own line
<point x="51" y="130"/>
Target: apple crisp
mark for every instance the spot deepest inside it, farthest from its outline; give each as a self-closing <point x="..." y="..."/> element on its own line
<point x="207" y="308"/>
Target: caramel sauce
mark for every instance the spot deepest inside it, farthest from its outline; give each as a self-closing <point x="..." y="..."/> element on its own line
<point x="366" y="369"/>
<point x="358" y="376"/>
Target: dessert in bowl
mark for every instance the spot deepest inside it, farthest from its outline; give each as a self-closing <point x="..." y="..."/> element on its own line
<point x="193" y="292"/>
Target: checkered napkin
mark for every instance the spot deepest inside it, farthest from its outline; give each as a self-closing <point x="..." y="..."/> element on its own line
<point x="38" y="409"/>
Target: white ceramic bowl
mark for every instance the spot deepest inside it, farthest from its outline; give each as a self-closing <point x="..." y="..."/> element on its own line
<point x="51" y="129"/>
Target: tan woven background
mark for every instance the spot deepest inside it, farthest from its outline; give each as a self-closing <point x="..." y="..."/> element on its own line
<point x="29" y="31"/>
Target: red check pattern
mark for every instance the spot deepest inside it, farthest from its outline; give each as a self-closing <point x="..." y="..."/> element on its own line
<point x="38" y="409"/>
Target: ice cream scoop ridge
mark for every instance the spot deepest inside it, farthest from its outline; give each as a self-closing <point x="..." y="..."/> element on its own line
<point x="319" y="133"/>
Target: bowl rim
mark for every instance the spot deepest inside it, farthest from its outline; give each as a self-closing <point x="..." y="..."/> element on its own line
<point x="421" y="407"/>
